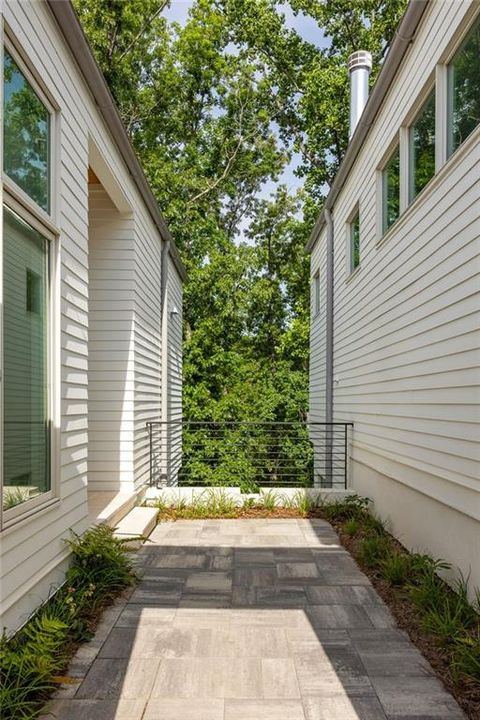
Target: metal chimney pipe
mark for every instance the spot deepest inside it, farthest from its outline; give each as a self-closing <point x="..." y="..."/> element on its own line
<point x="359" y="66"/>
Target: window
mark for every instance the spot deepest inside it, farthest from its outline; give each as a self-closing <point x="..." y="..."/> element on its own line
<point x="316" y="293"/>
<point x="354" y="233"/>
<point x="26" y="135"/>
<point x="26" y="416"/>
<point x="391" y="190"/>
<point x="26" y="260"/>
<point x="464" y="90"/>
<point x="422" y="147"/>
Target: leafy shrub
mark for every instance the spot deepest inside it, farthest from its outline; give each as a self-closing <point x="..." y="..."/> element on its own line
<point x="99" y="561"/>
<point x="30" y="659"/>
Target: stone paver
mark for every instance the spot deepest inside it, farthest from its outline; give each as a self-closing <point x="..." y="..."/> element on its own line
<point x="250" y="620"/>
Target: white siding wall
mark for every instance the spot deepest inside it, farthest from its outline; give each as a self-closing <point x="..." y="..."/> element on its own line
<point x="148" y="350"/>
<point x="111" y="314"/>
<point x="175" y="338"/>
<point x="406" y="347"/>
<point x="32" y="551"/>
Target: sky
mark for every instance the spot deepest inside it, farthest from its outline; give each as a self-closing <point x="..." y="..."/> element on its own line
<point x="308" y="29"/>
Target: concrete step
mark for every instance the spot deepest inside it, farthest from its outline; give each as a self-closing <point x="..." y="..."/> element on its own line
<point x="139" y="521"/>
<point x="109" y="508"/>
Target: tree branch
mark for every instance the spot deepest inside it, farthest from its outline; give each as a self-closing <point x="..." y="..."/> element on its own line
<point x="137" y="37"/>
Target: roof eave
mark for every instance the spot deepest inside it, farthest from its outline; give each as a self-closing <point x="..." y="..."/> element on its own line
<point x="69" y="24"/>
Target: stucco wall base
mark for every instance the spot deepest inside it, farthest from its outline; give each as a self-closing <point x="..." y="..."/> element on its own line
<point x="423" y="524"/>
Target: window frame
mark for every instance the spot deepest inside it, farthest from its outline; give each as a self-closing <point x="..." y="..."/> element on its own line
<point x="12" y="47"/>
<point x="21" y="204"/>
<point x="349" y="237"/>
<point x="446" y="75"/>
<point x="393" y="149"/>
<point x="423" y="98"/>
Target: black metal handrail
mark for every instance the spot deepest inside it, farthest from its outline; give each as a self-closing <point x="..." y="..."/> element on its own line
<point x="248" y="454"/>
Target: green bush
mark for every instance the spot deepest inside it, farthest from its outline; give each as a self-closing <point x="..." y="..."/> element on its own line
<point x="30" y="659"/>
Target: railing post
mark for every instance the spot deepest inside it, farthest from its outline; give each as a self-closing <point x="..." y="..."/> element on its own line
<point x="346" y="454"/>
<point x="150" y="442"/>
<point x="329" y="455"/>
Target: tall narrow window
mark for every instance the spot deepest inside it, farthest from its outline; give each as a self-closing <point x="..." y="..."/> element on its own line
<point x="391" y="190"/>
<point x="316" y="292"/>
<point x="354" y="232"/>
<point x="26" y="421"/>
<point x="26" y="135"/>
<point x="464" y="89"/>
<point x="422" y="147"/>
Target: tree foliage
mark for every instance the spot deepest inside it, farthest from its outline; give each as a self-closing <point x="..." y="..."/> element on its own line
<point x="215" y="109"/>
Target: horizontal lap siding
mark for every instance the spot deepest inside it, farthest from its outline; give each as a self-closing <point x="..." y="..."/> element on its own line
<point x="175" y="339"/>
<point x="406" y="354"/>
<point x="110" y="343"/>
<point x="148" y="263"/>
<point x="32" y="550"/>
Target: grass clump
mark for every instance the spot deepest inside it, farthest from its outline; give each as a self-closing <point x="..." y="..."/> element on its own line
<point x="31" y="659"/>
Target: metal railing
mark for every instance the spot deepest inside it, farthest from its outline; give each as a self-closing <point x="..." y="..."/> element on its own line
<point x="249" y="454"/>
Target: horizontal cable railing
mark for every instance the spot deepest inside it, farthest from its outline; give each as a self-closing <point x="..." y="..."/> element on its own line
<point x="248" y="454"/>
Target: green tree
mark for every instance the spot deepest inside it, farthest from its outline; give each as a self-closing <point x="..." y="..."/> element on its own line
<point x="215" y="110"/>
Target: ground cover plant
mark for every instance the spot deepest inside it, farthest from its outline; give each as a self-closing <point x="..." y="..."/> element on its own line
<point x="440" y="619"/>
<point x="33" y="659"/>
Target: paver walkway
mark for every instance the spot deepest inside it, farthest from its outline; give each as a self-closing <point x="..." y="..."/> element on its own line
<point x="251" y="620"/>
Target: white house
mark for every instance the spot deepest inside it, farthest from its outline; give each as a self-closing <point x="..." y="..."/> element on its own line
<point x="395" y="267"/>
<point x="91" y="304"/>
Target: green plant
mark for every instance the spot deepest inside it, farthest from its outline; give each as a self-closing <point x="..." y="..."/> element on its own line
<point x="27" y="664"/>
<point x="99" y="560"/>
<point x="465" y="662"/>
<point x="268" y="500"/>
<point x="396" y="568"/>
<point x="351" y="527"/>
<point x="372" y="550"/>
<point x="29" y="660"/>
<point x="249" y="503"/>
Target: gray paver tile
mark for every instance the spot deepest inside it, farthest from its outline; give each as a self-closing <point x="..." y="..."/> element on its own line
<point x="209" y="582"/>
<point x="343" y="707"/>
<point x="120" y="709"/>
<point x="297" y="571"/>
<point x="332" y="670"/>
<point x="184" y="709"/>
<point x="264" y="710"/>
<point x="338" y="616"/>
<point x="279" y="679"/>
<point x="392" y="658"/>
<point x="414" y="697"/>
<point x="342" y="595"/>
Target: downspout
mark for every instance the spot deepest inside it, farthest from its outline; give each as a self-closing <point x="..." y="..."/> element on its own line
<point x="164" y="434"/>
<point x="329" y="350"/>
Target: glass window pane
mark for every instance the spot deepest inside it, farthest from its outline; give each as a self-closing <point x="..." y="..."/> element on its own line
<point x="422" y="147"/>
<point x="26" y="426"/>
<point x="464" y="90"/>
<point x="391" y="190"/>
<point x="316" y="293"/>
<point x="26" y="135"/>
<point x="355" y="243"/>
